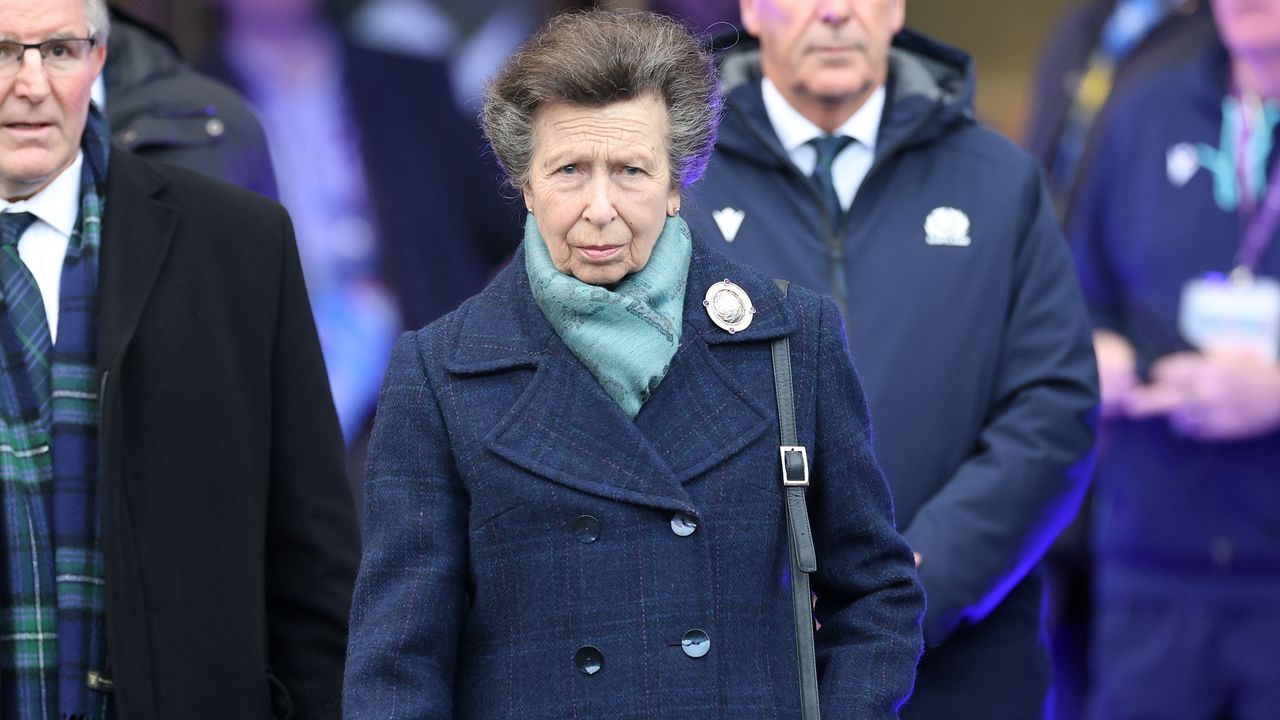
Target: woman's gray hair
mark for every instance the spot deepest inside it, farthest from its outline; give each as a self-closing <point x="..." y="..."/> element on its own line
<point x="99" y="19"/>
<point x="598" y="57"/>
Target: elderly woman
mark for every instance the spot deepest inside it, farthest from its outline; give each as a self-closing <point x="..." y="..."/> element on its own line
<point x="574" y="496"/>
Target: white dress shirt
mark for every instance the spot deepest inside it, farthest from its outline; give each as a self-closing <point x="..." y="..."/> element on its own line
<point x="43" y="247"/>
<point x="795" y="131"/>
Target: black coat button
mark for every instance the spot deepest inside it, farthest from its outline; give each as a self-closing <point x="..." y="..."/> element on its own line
<point x="586" y="529"/>
<point x="589" y="660"/>
<point x="695" y="643"/>
<point x="683" y="525"/>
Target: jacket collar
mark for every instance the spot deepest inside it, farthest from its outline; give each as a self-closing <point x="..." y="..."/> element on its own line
<point x="930" y="90"/>
<point x="697" y="418"/>
<point x="139" y="53"/>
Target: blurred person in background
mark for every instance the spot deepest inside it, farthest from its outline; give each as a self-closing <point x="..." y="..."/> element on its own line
<point x="396" y="212"/>
<point x="702" y="16"/>
<point x="471" y="38"/>
<point x="160" y="108"/>
<point x="1093" y="53"/>
<point x="849" y="162"/>
<point x="1174" y="232"/>
<point x="177" y="533"/>
<point x="1095" y="50"/>
<point x="574" y="506"/>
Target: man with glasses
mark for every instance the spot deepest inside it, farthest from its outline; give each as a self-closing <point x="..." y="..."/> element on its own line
<point x="176" y="534"/>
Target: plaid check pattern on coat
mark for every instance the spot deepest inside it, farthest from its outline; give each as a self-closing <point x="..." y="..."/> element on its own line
<point x="52" y="582"/>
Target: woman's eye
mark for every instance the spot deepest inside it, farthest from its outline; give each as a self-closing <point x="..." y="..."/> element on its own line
<point x="569" y="170"/>
<point x="632" y="171"/>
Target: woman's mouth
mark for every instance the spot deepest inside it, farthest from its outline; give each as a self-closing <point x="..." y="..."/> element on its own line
<point x="600" y="253"/>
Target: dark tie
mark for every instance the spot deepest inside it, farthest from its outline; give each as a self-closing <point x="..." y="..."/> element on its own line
<point x="23" y="304"/>
<point x="828" y="147"/>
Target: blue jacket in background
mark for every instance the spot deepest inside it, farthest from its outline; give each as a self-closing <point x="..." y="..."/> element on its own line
<point x="515" y="514"/>
<point x="1174" y="516"/>
<point x="976" y="357"/>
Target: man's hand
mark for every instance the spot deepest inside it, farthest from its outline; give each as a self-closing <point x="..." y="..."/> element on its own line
<point x="1116" y="375"/>
<point x="1214" y="397"/>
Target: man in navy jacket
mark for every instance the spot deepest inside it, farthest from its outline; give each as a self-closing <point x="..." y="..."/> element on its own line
<point x="962" y="312"/>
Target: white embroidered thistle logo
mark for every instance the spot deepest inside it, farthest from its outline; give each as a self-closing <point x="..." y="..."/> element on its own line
<point x="729" y="220"/>
<point x="947" y="226"/>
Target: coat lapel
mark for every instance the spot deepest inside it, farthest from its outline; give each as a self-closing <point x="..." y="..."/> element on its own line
<point x="701" y="415"/>
<point x="563" y="427"/>
<point x="137" y="231"/>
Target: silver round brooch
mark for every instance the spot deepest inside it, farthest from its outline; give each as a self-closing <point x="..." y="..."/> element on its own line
<point x="729" y="306"/>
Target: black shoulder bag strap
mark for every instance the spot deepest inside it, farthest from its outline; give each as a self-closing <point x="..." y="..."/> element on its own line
<point x="795" y="478"/>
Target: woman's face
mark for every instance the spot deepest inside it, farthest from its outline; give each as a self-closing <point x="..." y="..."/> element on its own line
<point x="600" y="187"/>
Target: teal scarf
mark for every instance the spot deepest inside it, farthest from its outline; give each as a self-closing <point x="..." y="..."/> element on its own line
<point x="626" y="336"/>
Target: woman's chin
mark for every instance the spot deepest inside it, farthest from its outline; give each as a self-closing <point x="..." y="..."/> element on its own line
<point x="603" y="275"/>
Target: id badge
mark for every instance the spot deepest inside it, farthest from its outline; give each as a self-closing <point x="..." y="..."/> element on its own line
<point x="1232" y="314"/>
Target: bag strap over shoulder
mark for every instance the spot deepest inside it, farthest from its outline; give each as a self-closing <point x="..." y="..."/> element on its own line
<point x="795" y="479"/>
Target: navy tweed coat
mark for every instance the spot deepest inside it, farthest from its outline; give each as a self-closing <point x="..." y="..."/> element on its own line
<point x="482" y="578"/>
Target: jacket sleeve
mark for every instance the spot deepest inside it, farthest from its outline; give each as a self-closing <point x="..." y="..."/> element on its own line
<point x="869" y="602"/>
<point x="989" y="525"/>
<point x="410" y="597"/>
<point x="311" y="542"/>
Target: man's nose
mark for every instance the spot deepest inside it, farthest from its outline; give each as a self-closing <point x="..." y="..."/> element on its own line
<point x="31" y="81"/>
<point x="835" y="12"/>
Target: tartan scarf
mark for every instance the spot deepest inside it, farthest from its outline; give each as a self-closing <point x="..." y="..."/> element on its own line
<point x="52" y="579"/>
<point x="626" y="336"/>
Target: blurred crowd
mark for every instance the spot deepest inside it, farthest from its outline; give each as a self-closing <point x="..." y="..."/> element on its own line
<point x="1154" y="123"/>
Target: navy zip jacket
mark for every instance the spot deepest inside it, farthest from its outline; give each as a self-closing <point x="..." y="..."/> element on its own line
<point x="973" y="344"/>
<point x="1175" y="516"/>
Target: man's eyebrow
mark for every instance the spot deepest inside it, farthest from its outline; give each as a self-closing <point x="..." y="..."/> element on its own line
<point x="60" y="35"/>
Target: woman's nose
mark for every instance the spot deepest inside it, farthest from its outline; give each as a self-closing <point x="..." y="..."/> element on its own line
<point x="600" y="209"/>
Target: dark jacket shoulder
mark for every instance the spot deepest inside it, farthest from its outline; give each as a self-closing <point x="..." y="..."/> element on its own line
<point x="194" y="194"/>
<point x="162" y="108"/>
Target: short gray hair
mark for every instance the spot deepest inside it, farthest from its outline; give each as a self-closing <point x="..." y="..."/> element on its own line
<point x="99" y="20"/>
<point x="598" y="57"/>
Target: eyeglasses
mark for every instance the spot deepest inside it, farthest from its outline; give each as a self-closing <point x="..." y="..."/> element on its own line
<point x="60" y="55"/>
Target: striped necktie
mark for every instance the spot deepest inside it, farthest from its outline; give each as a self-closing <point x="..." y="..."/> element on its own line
<point x="23" y="305"/>
<point x="828" y="147"/>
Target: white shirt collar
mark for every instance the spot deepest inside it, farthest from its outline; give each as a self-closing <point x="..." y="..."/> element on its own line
<point x="58" y="204"/>
<point x="794" y="129"/>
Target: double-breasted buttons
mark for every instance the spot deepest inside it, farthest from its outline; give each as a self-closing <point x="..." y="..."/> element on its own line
<point x="586" y="529"/>
<point x="683" y="525"/>
<point x="589" y="660"/>
<point x="696" y="643"/>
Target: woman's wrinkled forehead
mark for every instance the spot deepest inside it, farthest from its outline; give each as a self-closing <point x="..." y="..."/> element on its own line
<point x="634" y="125"/>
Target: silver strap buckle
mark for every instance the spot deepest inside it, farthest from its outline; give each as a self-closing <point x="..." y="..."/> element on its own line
<point x="795" y="466"/>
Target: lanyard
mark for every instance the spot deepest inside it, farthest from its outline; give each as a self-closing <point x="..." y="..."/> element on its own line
<point x="1260" y="226"/>
<point x="1253" y="145"/>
